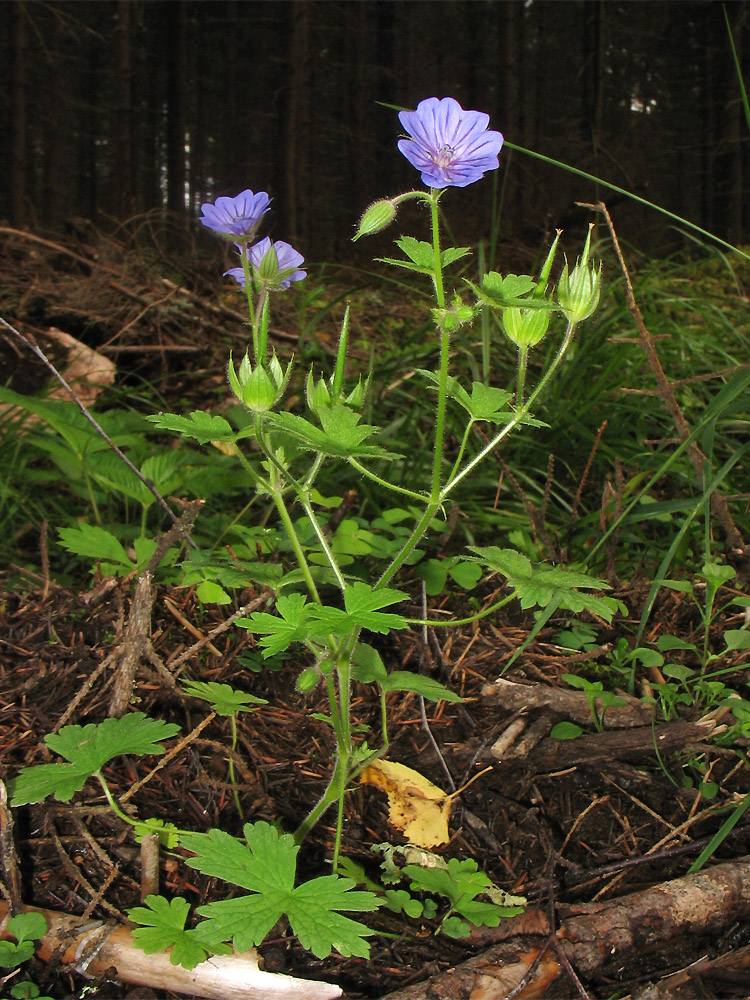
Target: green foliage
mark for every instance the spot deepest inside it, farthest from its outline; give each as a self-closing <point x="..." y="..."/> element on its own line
<point x="265" y="864"/>
<point x="203" y="427"/>
<point x="223" y="698"/>
<point x="162" y="925"/>
<point x="368" y="668"/>
<point x="547" y="585"/>
<point x="299" y="620"/>
<point x="87" y="749"/>
<point x="26" y="928"/>
<point x="459" y="882"/>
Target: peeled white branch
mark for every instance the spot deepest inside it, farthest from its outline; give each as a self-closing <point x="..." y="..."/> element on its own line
<point x="94" y="948"/>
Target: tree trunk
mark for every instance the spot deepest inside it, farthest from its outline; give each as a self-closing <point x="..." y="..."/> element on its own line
<point x="176" y="106"/>
<point x="18" y="103"/>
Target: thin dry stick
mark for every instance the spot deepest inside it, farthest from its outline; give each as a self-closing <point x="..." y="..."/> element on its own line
<point x="168" y="756"/>
<point x="667" y="395"/>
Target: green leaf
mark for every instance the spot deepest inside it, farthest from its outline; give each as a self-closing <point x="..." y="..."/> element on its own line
<point x="428" y="687"/>
<point x="266" y="865"/>
<point x="367" y="665"/>
<point x="25" y="928"/>
<point x="163" y="926"/>
<point x="341" y="434"/>
<point x="666" y="643"/>
<point x="95" y="543"/>
<point x="202" y="426"/>
<point x="452" y="254"/>
<point x="29" y="926"/>
<point x="418" y="251"/>
<point x="737" y="638"/>
<point x="279" y="631"/>
<point x="12" y="954"/>
<point x="223" y="698"/>
<point x="209" y="592"/>
<point x="168" y="833"/>
<point x="361" y="604"/>
<point x="465" y="574"/>
<point x="537" y="584"/>
<point x="565" y="731"/>
<point x="87" y="749"/>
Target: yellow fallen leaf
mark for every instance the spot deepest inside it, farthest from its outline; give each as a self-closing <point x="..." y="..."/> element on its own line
<point x="416" y="806"/>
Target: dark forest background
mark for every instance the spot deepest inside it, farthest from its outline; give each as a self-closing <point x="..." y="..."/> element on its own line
<point x="139" y="110"/>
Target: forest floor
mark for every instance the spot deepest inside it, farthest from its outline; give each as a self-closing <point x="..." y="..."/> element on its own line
<point x="571" y="826"/>
<point x="561" y="824"/>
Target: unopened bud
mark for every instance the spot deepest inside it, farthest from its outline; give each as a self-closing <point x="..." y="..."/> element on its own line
<point x="578" y="291"/>
<point x="379" y="215"/>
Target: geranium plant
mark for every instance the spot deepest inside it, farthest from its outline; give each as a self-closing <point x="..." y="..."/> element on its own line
<point x="322" y="604"/>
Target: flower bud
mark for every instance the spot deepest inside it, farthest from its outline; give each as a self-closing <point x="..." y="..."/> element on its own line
<point x="379" y="215"/>
<point x="317" y="393"/>
<point x="259" y="388"/>
<point x="525" y="327"/>
<point x="453" y="316"/>
<point x="578" y="291"/>
<point x="307" y="680"/>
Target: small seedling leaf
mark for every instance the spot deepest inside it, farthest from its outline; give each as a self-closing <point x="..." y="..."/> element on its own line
<point x="565" y="731"/>
<point x="223" y="698"/>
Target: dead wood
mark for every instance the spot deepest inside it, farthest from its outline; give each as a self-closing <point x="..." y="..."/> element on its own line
<point x="628" y="744"/>
<point x="95" y="948"/>
<point x="572" y="705"/>
<point x="602" y="941"/>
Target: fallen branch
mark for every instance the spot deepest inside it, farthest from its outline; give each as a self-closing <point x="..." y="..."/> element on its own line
<point x="568" y="704"/>
<point x="96" y="948"/>
<point x="600" y="940"/>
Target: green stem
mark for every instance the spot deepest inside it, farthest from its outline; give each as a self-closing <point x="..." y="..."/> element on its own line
<point x="523" y="357"/>
<point x="409" y="545"/>
<point x="249" y="293"/>
<point x="286" y="520"/>
<point x="436" y="623"/>
<point x="383" y="482"/>
<point x="518" y="417"/>
<point x="462" y="448"/>
<point x="326" y="800"/>
<point x="437" y="278"/>
<point x="322" y="540"/>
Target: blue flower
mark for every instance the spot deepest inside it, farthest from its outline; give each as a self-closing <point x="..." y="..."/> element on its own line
<point x="274" y="265"/>
<point x="236" y="216"/>
<point x="449" y="146"/>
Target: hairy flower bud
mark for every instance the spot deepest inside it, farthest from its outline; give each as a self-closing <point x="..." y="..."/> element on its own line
<point x="379" y="215"/>
<point x="578" y="291"/>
